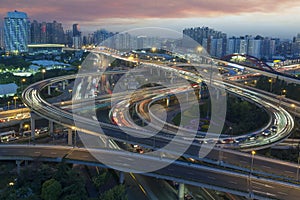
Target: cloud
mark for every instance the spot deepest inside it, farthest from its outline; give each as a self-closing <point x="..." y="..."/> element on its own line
<point x="102" y="11"/>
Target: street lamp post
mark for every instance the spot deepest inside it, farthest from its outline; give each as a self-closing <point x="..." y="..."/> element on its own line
<point x="22" y="82"/>
<point x="294" y="109"/>
<point x="8" y="103"/>
<point x="43" y="73"/>
<point x="250" y="174"/>
<point x="271" y="84"/>
<point x="297" y="178"/>
<point x="282" y="95"/>
<point x="15" y="99"/>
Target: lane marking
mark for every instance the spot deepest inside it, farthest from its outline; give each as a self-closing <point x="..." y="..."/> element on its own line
<point x="265" y="185"/>
<point x="282" y="193"/>
<point x="289" y="172"/>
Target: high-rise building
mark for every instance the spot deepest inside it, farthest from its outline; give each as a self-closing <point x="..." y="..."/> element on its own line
<point x="35" y="32"/>
<point x="1" y="38"/>
<point x="51" y="33"/>
<point x="77" y="41"/>
<point x="206" y="37"/>
<point x="16" y="32"/>
<point x="254" y="47"/>
<point x="296" y="46"/>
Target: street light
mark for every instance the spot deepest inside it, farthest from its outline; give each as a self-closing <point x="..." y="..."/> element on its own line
<point x="15" y="99"/>
<point x="282" y="95"/>
<point x="271" y="84"/>
<point x="298" y="167"/>
<point x="294" y="107"/>
<point x="8" y="103"/>
<point x="43" y="73"/>
<point x="251" y="170"/>
<point x="22" y="82"/>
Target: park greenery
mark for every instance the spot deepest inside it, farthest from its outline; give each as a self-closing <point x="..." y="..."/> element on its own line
<point x="56" y="182"/>
<point x="241" y="116"/>
<point x="279" y="87"/>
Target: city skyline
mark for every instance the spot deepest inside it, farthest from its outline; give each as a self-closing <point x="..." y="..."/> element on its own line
<point x="234" y="18"/>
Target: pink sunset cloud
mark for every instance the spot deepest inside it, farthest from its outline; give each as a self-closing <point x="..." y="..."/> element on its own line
<point x="93" y="10"/>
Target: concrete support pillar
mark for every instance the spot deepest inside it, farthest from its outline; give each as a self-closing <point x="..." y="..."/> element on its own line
<point x="158" y="71"/>
<point x="151" y="71"/>
<point x="181" y="191"/>
<point x="70" y="137"/>
<point x="121" y="177"/>
<point x="18" y="163"/>
<point x="75" y="138"/>
<point x="63" y="85"/>
<point x="187" y="96"/>
<point x="51" y="127"/>
<point x="49" y="90"/>
<point x="32" y="120"/>
<point x="21" y="125"/>
<point x="172" y="78"/>
<point x="167" y="101"/>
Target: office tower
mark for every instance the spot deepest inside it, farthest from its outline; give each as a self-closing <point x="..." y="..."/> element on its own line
<point x="102" y="35"/>
<point x="35" y="32"/>
<point x="51" y="33"/>
<point x="1" y="38"/>
<point x="268" y="48"/>
<point x="254" y="47"/>
<point x="206" y="37"/>
<point x="69" y="38"/>
<point x="16" y="32"/>
<point x="77" y="42"/>
<point x="296" y="46"/>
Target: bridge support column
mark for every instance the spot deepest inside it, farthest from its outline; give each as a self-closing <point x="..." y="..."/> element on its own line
<point x="121" y="177"/>
<point x="181" y="191"/>
<point x="172" y="78"/>
<point x="64" y="85"/>
<point x="32" y="126"/>
<point x="218" y="94"/>
<point x="70" y="137"/>
<point x="18" y="163"/>
<point x="167" y="101"/>
<point x="187" y="97"/>
<point x="51" y="127"/>
<point x="49" y="90"/>
<point x="21" y="124"/>
<point x="158" y="71"/>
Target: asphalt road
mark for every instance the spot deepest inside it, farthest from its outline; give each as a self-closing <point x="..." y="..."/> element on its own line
<point x="189" y="172"/>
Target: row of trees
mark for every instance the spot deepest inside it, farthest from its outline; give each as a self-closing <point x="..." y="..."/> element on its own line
<point x="58" y="182"/>
<point x="279" y="87"/>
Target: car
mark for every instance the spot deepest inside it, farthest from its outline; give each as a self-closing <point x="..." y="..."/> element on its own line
<point x="140" y="151"/>
<point x="188" y="197"/>
<point x="274" y="128"/>
<point x="252" y="137"/>
<point x="266" y="132"/>
<point x="239" y="140"/>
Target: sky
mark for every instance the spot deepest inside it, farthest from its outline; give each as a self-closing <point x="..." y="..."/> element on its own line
<point x="275" y="18"/>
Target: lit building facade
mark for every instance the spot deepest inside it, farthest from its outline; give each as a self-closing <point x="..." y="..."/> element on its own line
<point x="16" y="32"/>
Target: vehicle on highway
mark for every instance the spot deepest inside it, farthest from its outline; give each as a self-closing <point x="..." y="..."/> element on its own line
<point x="274" y="128"/>
<point x="266" y="132"/>
<point x="6" y="136"/>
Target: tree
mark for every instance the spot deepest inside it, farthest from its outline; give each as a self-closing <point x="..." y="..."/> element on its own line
<point x="116" y="193"/>
<point x="51" y="190"/>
